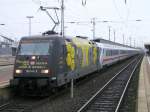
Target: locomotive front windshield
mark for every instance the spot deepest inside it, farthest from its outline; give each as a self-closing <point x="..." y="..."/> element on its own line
<point x="34" y="48"/>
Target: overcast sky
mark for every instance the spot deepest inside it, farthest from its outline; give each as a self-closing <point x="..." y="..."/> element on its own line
<point x="123" y="16"/>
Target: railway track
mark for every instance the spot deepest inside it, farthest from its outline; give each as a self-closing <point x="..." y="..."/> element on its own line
<point x="15" y="107"/>
<point x="110" y="96"/>
<point x="24" y="104"/>
<point x="27" y="105"/>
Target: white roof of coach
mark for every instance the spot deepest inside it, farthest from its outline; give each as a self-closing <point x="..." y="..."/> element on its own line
<point x="108" y="46"/>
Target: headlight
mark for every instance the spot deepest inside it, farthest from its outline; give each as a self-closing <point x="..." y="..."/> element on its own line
<point x="33" y="57"/>
<point x="45" y="71"/>
<point x="18" y="71"/>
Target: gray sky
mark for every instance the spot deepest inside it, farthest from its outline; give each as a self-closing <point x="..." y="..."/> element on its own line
<point x="14" y="12"/>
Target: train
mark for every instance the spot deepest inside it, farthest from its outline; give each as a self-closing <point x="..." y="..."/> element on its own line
<point x="46" y="62"/>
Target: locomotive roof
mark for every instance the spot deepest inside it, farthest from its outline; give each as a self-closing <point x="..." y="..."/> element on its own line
<point x="41" y="37"/>
<point x="101" y="42"/>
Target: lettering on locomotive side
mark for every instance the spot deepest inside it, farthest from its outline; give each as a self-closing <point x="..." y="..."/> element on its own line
<point x="30" y="65"/>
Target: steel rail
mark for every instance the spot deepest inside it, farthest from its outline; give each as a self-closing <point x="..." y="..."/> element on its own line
<point x="84" y="107"/>
<point x="125" y="89"/>
<point x="2" y="107"/>
<point x="23" y="105"/>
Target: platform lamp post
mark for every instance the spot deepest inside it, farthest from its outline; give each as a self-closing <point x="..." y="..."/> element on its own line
<point x="30" y="17"/>
<point x="93" y="23"/>
<point x="2" y="24"/>
<point x="138" y="20"/>
<point x="130" y="39"/>
<point x="109" y="31"/>
<point x="123" y="39"/>
<point x="114" y="35"/>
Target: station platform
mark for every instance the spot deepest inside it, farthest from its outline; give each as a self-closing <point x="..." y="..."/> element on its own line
<point x="144" y="86"/>
<point x="7" y="60"/>
<point x="6" y="73"/>
<point x="6" y="69"/>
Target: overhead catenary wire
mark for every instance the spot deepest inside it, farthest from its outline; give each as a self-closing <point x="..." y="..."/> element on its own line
<point x="83" y="2"/>
<point x="125" y="1"/>
<point x="117" y="10"/>
<point x="128" y="6"/>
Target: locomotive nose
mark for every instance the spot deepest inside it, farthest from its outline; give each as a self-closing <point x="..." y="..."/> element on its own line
<point x="32" y="65"/>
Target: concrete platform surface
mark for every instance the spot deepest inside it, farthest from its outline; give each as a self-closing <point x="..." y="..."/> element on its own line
<point x="6" y="73"/>
<point x="144" y="86"/>
<point x="6" y="60"/>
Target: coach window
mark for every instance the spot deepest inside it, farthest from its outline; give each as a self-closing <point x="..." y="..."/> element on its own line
<point x="104" y="52"/>
<point x="100" y="51"/>
<point x="111" y="52"/>
<point x="107" y="52"/>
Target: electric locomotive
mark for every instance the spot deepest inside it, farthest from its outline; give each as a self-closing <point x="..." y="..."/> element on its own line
<point x="50" y="61"/>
